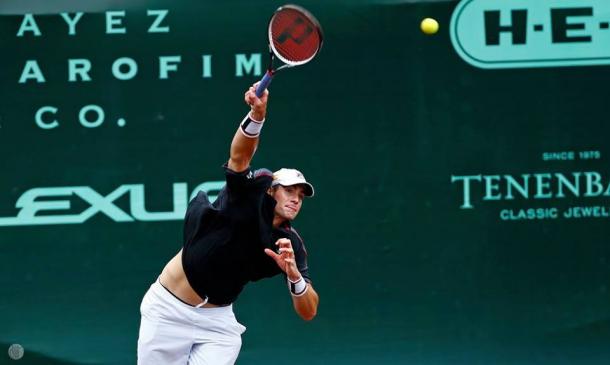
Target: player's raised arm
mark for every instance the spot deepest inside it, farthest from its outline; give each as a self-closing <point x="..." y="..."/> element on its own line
<point x="245" y="139"/>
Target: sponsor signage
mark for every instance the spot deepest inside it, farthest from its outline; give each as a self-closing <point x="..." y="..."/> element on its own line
<point x="496" y="34"/>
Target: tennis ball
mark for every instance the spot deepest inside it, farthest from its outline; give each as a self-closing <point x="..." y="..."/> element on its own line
<point x="429" y="26"/>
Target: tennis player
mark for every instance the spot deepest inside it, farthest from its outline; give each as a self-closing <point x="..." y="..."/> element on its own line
<point x="245" y="235"/>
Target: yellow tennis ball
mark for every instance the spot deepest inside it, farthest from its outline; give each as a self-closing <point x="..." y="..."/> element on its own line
<point x="429" y="26"/>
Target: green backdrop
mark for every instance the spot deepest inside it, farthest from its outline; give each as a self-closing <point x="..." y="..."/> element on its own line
<point x="381" y="123"/>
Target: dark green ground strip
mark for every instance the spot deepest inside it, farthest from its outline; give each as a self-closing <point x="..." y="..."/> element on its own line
<point x="32" y="357"/>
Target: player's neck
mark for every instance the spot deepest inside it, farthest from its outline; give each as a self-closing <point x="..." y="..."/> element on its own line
<point x="277" y="221"/>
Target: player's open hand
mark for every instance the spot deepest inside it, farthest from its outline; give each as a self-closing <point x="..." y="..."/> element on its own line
<point x="258" y="106"/>
<point x="285" y="258"/>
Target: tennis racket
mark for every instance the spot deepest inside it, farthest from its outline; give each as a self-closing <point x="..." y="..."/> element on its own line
<point x="295" y="38"/>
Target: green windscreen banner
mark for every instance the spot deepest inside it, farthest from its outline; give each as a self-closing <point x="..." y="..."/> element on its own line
<point x="462" y="206"/>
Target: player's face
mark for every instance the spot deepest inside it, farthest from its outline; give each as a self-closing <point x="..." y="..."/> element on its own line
<point x="289" y="200"/>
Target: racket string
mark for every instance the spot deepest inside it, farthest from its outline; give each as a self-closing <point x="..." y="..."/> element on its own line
<point x="294" y="36"/>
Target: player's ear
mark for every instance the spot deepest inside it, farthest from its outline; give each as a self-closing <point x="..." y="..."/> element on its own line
<point x="270" y="191"/>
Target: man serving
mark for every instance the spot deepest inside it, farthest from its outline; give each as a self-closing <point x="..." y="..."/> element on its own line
<point x="245" y="235"/>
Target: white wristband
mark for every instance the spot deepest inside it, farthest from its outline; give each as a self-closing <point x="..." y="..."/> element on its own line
<point x="251" y="128"/>
<point x="297" y="288"/>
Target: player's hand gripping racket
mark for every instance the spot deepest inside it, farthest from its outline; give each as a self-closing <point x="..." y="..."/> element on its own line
<point x="295" y="37"/>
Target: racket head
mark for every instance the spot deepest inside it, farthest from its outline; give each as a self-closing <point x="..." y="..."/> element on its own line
<point x="295" y="35"/>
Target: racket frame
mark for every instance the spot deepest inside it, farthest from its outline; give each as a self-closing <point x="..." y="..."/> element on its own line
<point x="273" y="53"/>
<point x="308" y="16"/>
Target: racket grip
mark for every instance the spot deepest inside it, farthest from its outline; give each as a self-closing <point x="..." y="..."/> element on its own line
<point x="264" y="84"/>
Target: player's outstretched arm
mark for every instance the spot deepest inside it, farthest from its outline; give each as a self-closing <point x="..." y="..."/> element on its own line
<point x="305" y="300"/>
<point x="306" y="305"/>
<point x="245" y="139"/>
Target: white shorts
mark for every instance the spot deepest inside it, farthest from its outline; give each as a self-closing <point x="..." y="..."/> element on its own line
<point x="175" y="333"/>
